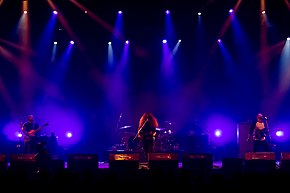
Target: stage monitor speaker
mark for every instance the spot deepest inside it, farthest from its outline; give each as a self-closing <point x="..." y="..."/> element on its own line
<point x="124" y="161"/>
<point x="82" y="162"/>
<point x="57" y="164"/>
<point x="198" y="162"/>
<point x="164" y="161"/>
<point x="232" y="166"/>
<point x="260" y="162"/>
<point x="285" y="162"/>
<point x="23" y="162"/>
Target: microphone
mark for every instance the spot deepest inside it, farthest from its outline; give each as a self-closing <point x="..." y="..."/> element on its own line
<point x="265" y="118"/>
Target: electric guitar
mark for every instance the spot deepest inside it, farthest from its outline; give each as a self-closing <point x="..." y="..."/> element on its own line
<point x="31" y="133"/>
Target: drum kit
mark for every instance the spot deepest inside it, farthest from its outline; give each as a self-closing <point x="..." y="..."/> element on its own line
<point x="164" y="140"/>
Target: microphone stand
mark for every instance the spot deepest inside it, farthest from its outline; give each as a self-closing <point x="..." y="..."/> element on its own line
<point x="118" y="123"/>
<point x="268" y="136"/>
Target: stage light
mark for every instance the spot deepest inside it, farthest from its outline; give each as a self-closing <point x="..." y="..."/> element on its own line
<point x="179" y="40"/>
<point x="86" y="11"/>
<point x="263" y="12"/>
<point x="68" y="134"/>
<point x="109" y="43"/>
<point x="72" y="42"/>
<point x="199" y="13"/>
<point x="19" y="135"/>
<point x="219" y="40"/>
<point x="164" y="41"/>
<point x="288" y="39"/>
<point x="120" y="12"/>
<point x="55" y="12"/>
<point x="231" y="10"/>
<point x="279" y="133"/>
<point x="54" y="43"/>
<point x="25" y="12"/>
<point x="167" y="12"/>
<point x="127" y="42"/>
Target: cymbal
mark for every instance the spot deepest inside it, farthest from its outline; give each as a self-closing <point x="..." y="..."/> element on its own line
<point x="169" y="122"/>
<point x="125" y="127"/>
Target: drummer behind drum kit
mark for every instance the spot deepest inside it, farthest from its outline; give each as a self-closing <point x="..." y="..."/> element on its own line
<point x="164" y="140"/>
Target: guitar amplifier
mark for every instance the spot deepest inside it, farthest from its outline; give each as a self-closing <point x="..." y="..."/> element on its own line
<point x="2" y="158"/>
<point x="163" y="156"/>
<point x="80" y="162"/>
<point x="22" y="157"/>
<point x="199" y="162"/>
<point x="23" y="162"/>
<point x="124" y="156"/>
<point x="260" y="156"/>
<point x="124" y="161"/>
<point x="165" y="161"/>
<point x="285" y="156"/>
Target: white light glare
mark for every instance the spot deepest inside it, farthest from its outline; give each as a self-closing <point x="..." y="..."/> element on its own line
<point x="55" y="12"/>
<point x="25" y="12"/>
<point x="72" y="42"/>
<point x="288" y="39"/>
<point x="164" y="41"/>
<point x="54" y="43"/>
<point x="199" y="13"/>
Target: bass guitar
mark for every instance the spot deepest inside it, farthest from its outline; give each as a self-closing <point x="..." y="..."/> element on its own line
<point x="32" y="133"/>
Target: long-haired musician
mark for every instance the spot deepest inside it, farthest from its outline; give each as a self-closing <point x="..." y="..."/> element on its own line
<point x="147" y="132"/>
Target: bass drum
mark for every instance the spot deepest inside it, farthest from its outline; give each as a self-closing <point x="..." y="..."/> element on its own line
<point x="133" y="144"/>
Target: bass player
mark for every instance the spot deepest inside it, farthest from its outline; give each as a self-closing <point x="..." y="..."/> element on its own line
<point x="31" y="131"/>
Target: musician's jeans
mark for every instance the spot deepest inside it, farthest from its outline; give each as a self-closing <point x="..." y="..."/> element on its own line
<point x="261" y="146"/>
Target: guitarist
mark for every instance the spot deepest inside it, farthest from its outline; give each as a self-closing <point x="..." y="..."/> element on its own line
<point x="31" y="132"/>
<point x="259" y="134"/>
<point x="146" y="132"/>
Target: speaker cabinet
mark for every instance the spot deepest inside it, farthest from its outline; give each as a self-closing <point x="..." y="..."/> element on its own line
<point x="81" y="162"/>
<point x="124" y="161"/>
<point x="260" y="162"/>
<point x="166" y="161"/>
<point x="199" y="163"/>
